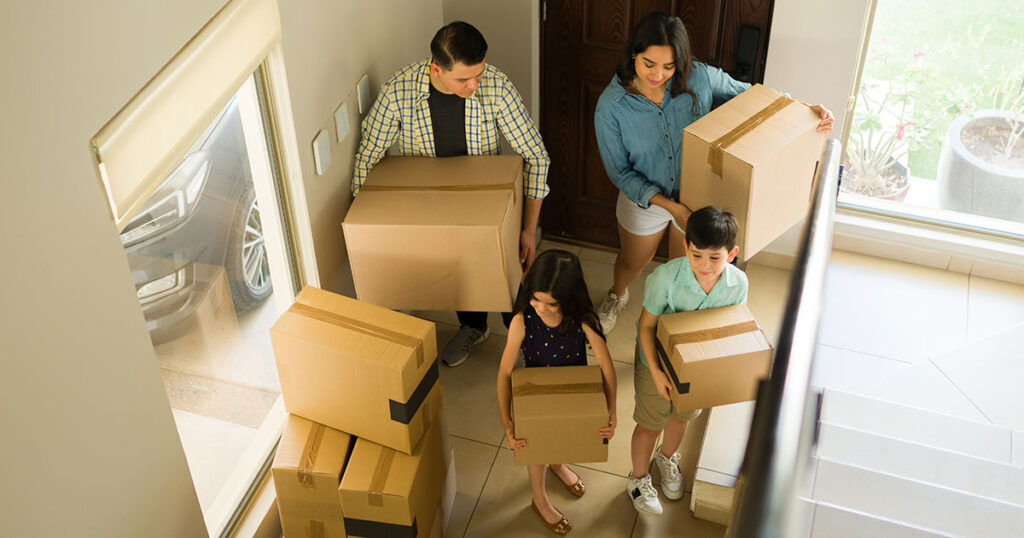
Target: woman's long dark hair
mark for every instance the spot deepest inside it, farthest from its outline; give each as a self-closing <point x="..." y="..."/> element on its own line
<point x="659" y="28"/>
<point x="559" y="274"/>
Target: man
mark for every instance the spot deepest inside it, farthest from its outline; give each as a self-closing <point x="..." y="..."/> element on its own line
<point x="448" y="105"/>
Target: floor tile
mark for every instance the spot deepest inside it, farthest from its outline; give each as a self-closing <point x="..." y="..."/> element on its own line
<point x="494" y="322"/>
<point x="473" y="463"/>
<point x="993" y="306"/>
<point x="843" y="369"/>
<point x="676" y="520"/>
<point x="622" y="338"/>
<point x="922" y="385"/>
<point x="892" y="309"/>
<point x="470" y="391"/>
<point x="598" y="255"/>
<point x="504" y="507"/>
<point x="988" y="372"/>
<point x="548" y="244"/>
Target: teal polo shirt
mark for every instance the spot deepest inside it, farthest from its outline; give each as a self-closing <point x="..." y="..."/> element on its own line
<point x="672" y="287"/>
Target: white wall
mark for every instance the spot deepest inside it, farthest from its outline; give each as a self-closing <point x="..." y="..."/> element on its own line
<point x="89" y="444"/>
<point x="328" y="46"/>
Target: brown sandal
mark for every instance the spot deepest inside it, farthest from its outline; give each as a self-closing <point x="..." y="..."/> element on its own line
<point x="562" y="527"/>
<point x="577" y="489"/>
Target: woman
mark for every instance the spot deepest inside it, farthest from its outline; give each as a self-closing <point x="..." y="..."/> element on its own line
<point x="658" y="89"/>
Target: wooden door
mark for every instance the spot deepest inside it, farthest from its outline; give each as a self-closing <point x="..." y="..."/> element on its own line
<point x="581" y="41"/>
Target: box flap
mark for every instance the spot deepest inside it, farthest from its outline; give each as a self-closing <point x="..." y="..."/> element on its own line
<point x="700" y="325"/>
<point x="572" y="390"/>
<point x="312" y="448"/>
<point x="429" y="208"/>
<point x="466" y="172"/>
<point x="750" y="342"/>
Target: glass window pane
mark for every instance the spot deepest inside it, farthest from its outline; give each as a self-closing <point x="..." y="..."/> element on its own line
<point x="201" y="262"/>
<point x="940" y="113"/>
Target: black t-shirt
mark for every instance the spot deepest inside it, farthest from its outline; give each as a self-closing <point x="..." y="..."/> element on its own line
<point x="448" y="117"/>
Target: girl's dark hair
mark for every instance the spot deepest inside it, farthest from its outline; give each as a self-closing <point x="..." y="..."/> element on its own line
<point x="559" y="274"/>
<point x="659" y="28"/>
<point x="455" y="42"/>
<point x="710" y="227"/>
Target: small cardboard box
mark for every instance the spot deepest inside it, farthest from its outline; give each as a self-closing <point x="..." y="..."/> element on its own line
<point x="307" y="472"/>
<point x="357" y="367"/>
<point x="713" y="357"/>
<point x="438" y="234"/>
<point x="558" y="411"/>
<point x="754" y="156"/>
<point x="387" y="493"/>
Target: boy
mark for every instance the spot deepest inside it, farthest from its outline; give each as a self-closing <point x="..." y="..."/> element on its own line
<point x="704" y="278"/>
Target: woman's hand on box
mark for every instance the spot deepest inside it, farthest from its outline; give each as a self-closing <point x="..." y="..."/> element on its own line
<point x="512" y="443"/>
<point x="827" y="120"/>
<point x="609" y="431"/>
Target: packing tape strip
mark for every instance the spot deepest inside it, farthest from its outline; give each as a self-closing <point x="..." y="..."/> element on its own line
<point x="361" y="326"/>
<point x="377" y="529"/>
<point x="715" y="151"/>
<point x="714" y="333"/>
<point x="309" y="454"/>
<point x="533" y="389"/>
<point x="403" y="413"/>
<point x="442" y="188"/>
<point x="375" y="495"/>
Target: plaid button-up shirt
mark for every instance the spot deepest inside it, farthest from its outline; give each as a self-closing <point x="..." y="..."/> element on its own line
<point x="402" y="112"/>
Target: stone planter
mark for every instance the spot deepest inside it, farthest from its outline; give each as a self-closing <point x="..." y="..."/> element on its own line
<point x="897" y="196"/>
<point x="971" y="185"/>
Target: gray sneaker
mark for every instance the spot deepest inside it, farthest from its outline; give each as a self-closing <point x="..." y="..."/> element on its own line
<point x="457" y="350"/>
<point x="608" y="311"/>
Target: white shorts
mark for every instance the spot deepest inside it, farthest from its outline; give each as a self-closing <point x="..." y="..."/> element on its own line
<point x="639" y="221"/>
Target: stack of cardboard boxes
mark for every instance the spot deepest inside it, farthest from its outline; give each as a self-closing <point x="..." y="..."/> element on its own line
<point x="365" y="451"/>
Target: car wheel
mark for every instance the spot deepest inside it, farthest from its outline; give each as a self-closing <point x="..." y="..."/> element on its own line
<point x="246" y="263"/>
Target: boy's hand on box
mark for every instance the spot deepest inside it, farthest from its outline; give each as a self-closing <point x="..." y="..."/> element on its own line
<point x="512" y="443"/>
<point x="609" y="431"/>
<point x="662" y="383"/>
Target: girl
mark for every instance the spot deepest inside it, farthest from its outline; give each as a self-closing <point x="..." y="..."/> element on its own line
<point x="658" y="89"/>
<point x="553" y="306"/>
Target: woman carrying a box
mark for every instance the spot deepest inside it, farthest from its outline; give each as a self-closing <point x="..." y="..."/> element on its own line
<point x="657" y="90"/>
<point x="553" y="323"/>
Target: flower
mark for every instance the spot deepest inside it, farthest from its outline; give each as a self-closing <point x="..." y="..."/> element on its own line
<point x="899" y="130"/>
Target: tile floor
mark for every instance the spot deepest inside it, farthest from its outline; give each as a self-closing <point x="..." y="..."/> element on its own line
<point x="888" y="329"/>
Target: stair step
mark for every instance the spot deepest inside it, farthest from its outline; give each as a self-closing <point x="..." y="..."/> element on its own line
<point x="988" y="478"/>
<point x="831" y="521"/>
<point x="915" y="503"/>
<point x="918" y="425"/>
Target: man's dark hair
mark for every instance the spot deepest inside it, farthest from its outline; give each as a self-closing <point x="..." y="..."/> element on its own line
<point x="711" y="228"/>
<point x="455" y="42"/>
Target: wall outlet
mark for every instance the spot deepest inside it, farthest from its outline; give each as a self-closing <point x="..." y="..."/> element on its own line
<point x="341" y="122"/>
<point x="322" y="152"/>
<point x="363" y="91"/>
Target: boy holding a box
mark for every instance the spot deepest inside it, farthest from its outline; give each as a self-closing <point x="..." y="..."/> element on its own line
<point x="702" y="279"/>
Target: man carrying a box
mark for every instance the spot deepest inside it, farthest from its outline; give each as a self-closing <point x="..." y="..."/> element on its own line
<point x="448" y="105"/>
<point x="704" y="278"/>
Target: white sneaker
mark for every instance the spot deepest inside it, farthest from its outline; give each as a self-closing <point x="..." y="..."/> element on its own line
<point x="671" y="478"/>
<point x="643" y="494"/>
<point x="608" y="312"/>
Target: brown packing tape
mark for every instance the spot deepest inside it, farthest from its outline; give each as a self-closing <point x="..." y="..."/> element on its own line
<point x="445" y="188"/>
<point x="361" y="326"/>
<point x="533" y="389"/>
<point x="375" y="494"/>
<point x="713" y="333"/>
<point x="309" y="454"/>
<point x="715" y="151"/>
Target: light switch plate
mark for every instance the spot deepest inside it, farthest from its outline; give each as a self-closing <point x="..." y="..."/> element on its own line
<point x="363" y="91"/>
<point x="322" y="152"/>
<point x="341" y="122"/>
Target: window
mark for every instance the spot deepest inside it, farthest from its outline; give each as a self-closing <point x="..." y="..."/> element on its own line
<point x="937" y="127"/>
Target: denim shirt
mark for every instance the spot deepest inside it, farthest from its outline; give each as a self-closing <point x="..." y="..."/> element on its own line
<point x="641" y="143"/>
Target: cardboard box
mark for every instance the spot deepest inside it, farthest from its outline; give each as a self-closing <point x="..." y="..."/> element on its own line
<point x="387" y="493"/>
<point x="713" y="357"/>
<point x="307" y="472"/>
<point x="357" y="367"/>
<point x="558" y="411"/>
<point x="444" y="512"/>
<point x="438" y="234"/>
<point x="754" y="156"/>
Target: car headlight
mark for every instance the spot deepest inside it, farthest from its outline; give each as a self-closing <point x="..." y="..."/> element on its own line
<point x="180" y="193"/>
<point x="154" y="289"/>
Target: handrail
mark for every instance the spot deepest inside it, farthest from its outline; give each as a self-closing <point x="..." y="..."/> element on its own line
<point x="783" y="431"/>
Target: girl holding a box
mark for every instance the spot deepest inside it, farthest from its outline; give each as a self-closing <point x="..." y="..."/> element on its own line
<point x="553" y="323"/>
<point x="658" y="89"/>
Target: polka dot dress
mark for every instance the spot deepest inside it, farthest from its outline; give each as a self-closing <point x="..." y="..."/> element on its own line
<point x="546" y="346"/>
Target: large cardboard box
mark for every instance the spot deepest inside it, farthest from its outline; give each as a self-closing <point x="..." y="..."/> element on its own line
<point x="387" y="493"/>
<point x="438" y="234"/>
<point x="357" y="367"/>
<point x="444" y="512"/>
<point x="754" y="156"/>
<point x="713" y="357"/>
<point x="558" y="411"/>
<point x="307" y="472"/>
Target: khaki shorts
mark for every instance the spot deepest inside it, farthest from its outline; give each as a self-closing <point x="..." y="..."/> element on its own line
<point x="651" y="410"/>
